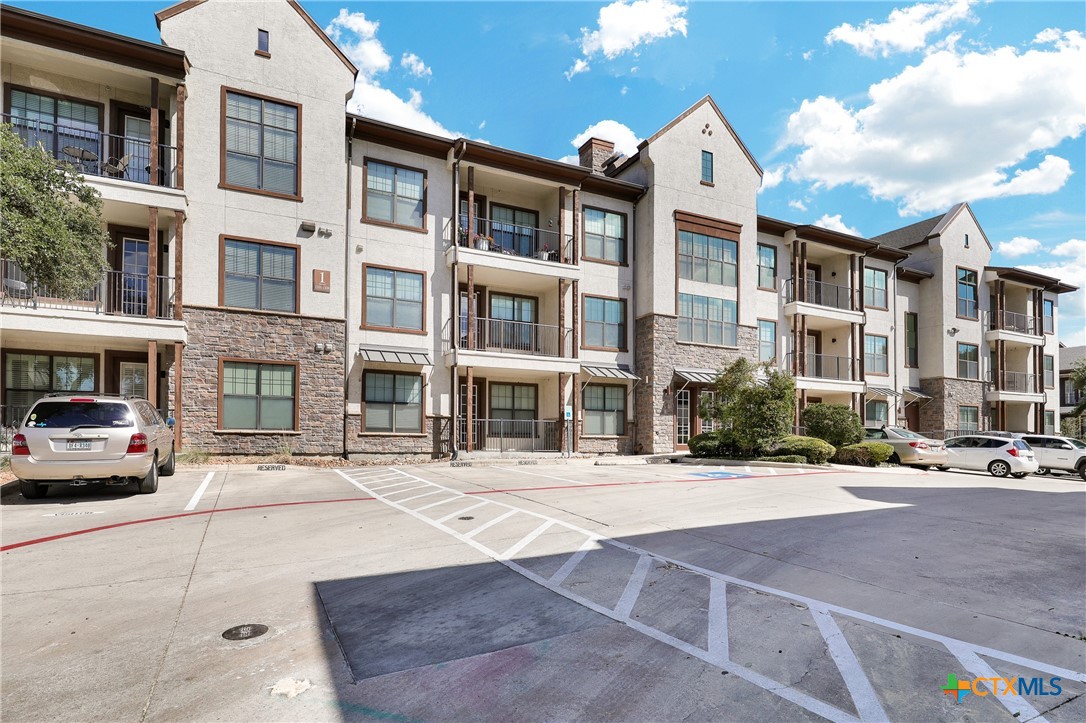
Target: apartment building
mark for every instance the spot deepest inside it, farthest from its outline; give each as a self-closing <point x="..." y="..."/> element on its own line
<point x="355" y="287"/>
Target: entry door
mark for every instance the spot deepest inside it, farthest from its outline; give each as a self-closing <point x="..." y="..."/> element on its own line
<point x="814" y="354"/>
<point x="137" y="146"/>
<point x="814" y="288"/>
<point x="514" y="229"/>
<point x="682" y="418"/>
<point x="912" y="417"/>
<point x="476" y="426"/>
<point x="133" y="379"/>
<point x="513" y="320"/>
<point x="133" y="283"/>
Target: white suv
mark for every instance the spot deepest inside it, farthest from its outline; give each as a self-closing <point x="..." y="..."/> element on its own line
<point x="1057" y="453"/>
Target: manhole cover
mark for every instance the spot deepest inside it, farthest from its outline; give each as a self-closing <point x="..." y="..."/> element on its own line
<point x="245" y="632"/>
<point x="469" y="517"/>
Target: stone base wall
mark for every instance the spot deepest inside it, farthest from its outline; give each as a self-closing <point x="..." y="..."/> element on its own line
<point x="426" y="444"/>
<point x="216" y="334"/>
<point x="947" y="394"/>
<point x="656" y="355"/>
<point x="607" y="445"/>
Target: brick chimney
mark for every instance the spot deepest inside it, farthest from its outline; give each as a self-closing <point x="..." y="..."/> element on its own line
<point x="594" y="153"/>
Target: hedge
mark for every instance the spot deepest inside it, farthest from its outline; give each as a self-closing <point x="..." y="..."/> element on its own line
<point x="865" y="454"/>
<point x="791" y="458"/>
<point x="815" y="451"/>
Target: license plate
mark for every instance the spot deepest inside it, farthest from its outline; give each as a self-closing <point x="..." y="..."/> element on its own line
<point x="79" y="446"/>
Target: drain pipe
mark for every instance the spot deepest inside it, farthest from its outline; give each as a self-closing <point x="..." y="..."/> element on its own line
<point x="346" y="290"/>
<point x="454" y="296"/>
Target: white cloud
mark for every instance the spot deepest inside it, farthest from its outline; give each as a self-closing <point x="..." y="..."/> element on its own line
<point x="773" y="177"/>
<point x="798" y="205"/>
<point x="625" y="140"/>
<point x="625" y="90"/>
<point x="624" y="26"/>
<point x="905" y="30"/>
<point x="357" y="37"/>
<point x="414" y="65"/>
<point x="482" y="125"/>
<point x="808" y="55"/>
<point x="1075" y="249"/>
<point x="834" y="223"/>
<point x="927" y="138"/>
<point x="1018" y="246"/>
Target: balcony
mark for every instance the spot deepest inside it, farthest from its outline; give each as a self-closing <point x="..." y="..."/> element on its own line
<point x="821" y="299"/>
<point x="513" y="435"/>
<point x="1018" y="330"/>
<point x="1015" y="387"/>
<point x="503" y="344"/>
<point x="119" y="293"/>
<point x="505" y="246"/>
<point x="94" y="153"/>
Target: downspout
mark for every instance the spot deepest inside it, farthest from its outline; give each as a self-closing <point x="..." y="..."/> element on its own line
<point x="894" y="329"/>
<point x="633" y="304"/>
<point x="454" y="321"/>
<point x="346" y="288"/>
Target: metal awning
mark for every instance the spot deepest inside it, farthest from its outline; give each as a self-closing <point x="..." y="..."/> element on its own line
<point x="916" y="393"/>
<point x="883" y="391"/>
<point x="610" y="372"/>
<point x="394" y="355"/>
<point x="697" y="376"/>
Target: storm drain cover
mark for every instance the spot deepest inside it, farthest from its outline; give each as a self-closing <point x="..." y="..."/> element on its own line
<point x="245" y="632"/>
<point x="469" y="517"/>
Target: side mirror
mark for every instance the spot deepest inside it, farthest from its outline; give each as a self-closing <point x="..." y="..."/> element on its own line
<point x="170" y="422"/>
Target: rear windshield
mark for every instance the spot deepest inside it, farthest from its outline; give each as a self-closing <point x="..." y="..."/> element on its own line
<point x="1020" y="444"/>
<point x="906" y="433"/>
<point x="53" y="415"/>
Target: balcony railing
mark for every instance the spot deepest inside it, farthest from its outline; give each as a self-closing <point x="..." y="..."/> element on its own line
<point x="514" y="240"/>
<point x="94" y="153"/>
<point x="515" y="337"/>
<point x="823" y="366"/>
<point x="119" y="293"/>
<point x="513" y="435"/>
<point x="1013" y="321"/>
<point x="821" y="294"/>
<point x="1021" y="382"/>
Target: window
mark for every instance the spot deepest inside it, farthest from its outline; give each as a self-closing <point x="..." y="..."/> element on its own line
<point x="257" y="395"/>
<point x="767" y="267"/>
<point x="706" y="258"/>
<point x="682" y="416"/>
<point x="968" y="361"/>
<point x="968" y="419"/>
<point x="875" y="354"/>
<point x="56" y="123"/>
<point x="393" y="299"/>
<point x="29" y="376"/>
<point x="1050" y="372"/>
<point x="393" y="402"/>
<point x="1049" y="316"/>
<point x="394" y="195"/>
<point x="1070" y="394"/>
<point x="514" y="402"/>
<point x="1050" y="422"/>
<point x="875" y="288"/>
<point x="261" y="144"/>
<point x="706" y="320"/>
<point x="604" y="235"/>
<point x="767" y="340"/>
<point x="706" y="167"/>
<point x="604" y="323"/>
<point x="878" y="413"/>
<point x="604" y="410"/>
<point x="967" y="294"/>
<point x="967" y="240"/>
<point x="262" y="47"/>
<point x="912" y="340"/>
<point x="706" y="424"/>
<point x="260" y="276"/>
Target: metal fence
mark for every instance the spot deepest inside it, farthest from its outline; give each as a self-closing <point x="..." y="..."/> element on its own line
<point x="1013" y="321"/>
<point x="820" y="293"/>
<point x="823" y="366"/>
<point x="516" y="240"/>
<point x="513" y="435"/>
<point x="119" y="293"/>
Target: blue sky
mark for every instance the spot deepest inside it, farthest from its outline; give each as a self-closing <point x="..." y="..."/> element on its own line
<point x="866" y="116"/>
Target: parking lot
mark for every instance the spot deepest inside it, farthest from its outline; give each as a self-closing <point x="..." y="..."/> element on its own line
<point x="546" y="592"/>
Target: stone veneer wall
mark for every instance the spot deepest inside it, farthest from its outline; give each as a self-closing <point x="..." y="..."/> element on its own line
<point x="656" y="354"/>
<point x="947" y="394"/>
<point x="609" y="445"/>
<point x="214" y="333"/>
<point x="425" y="444"/>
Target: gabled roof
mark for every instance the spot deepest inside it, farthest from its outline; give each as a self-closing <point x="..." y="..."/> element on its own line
<point x="189" y="4"/>
<point x="922" y="231"/>
<point x="678" y="119"/>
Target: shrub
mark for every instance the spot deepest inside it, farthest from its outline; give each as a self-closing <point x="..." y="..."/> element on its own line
<point x="752" y="416"/>
<point x="865" y="454"/>
<point x="815" y="451"/>
<point x="835" y="423"/>
<point x="704" y="445"/>
<point x="791" y="458"/>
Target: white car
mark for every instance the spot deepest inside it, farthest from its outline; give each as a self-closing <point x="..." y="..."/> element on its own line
<point x="999" y="456"/>
<point x="1057" y="453"/>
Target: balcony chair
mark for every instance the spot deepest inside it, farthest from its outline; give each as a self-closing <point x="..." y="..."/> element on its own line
<point x="118" y="168"/>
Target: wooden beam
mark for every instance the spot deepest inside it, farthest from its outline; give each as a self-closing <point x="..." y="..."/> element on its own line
<point x="178" y="376"/>
<point x="152" y="262"/>
<point x="155" y="125"/>
<point x="179" y="163"/>
<point x="469" y="399"/>
<point x="152" y="372"/>
<point x="178" y="263"/>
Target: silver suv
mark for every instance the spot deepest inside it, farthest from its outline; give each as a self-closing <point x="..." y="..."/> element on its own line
<point x="1057" y="453"/>
<point x="76" y="439"/>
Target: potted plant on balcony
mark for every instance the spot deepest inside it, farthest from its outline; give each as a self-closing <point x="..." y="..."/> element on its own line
<point x="483" y="242"/>
<point x="544" y="254"/>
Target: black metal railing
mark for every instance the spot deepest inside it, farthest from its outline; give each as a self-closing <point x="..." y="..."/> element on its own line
<point x="820" y="293"/>
<point x="513" y="337"/>
<point x="822" y="366"/>
<point x="516" y="240"/>
<point x="513" y="435"/>
<point x="1013" y="321"/>
<point x="119" y="293"/>
<point x="95" y="153"/>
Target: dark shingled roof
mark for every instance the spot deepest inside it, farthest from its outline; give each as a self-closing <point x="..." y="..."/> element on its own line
<point x="907" y="236"/>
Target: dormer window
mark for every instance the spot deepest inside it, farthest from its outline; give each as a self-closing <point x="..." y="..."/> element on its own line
<point x="262" y="43"/>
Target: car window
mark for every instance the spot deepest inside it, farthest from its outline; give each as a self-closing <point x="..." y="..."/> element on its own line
<point x="959" y="442"/>
<point x="1077" y="444"/>
<point x="53" y="415"/>
<point x="875" y="434"/>
<point x="1036" y="442"/>
<point x="147" y="413"/>
<point x="906" y="433"/>
<point x="1022" y="444"/>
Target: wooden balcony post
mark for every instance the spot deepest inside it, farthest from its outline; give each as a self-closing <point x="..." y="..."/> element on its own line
<point x="803" y="271"/>
<point x="178" y="256"/>
<point x="860" y="276"/>
<point x="152" y="372"/>
<point x="155" y="125"/>
<point x="178" y="376"/>
<point x="471" y="305"/>
<point x="576" y="226"/>
<point x="562" y="378"/>
<point x="469" y="402"/>
<point x="576" y="410"/>
<point x="561" y="317"/>
<point x="576" y="319"/>
<point x="179" y="162"/>
<point x="562" y="255"/>
<point x="852" y="291"/>
<point x="470" y="230"/>
<point x="152" y="262"/>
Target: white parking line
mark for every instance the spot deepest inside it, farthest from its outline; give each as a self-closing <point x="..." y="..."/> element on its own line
<point x="718" y="620"/>
<point x="199" y="492"/>
<point x="629" y="597"/>
<point x="547" y="476"/>
<point x="491" y="523"/>
<point x="863" y="695"/>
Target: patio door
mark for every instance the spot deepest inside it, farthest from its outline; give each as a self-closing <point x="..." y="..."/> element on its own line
<point x="513" y="322"/>
<point x="514" y="229"/>
<point x="133" y="272"/>
<point x="137" y="146"/>
<point x="912" y="417"/>
<point x="132" y="379"/>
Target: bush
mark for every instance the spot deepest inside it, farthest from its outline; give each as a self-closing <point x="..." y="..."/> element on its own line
<point x="704" y="445"/>
<point x="791" y="458"/>
<point x="752" y="416"/>
<point x="865" y="454"/>
<point x="835" y="423"/>
<point x="815" y="451"/>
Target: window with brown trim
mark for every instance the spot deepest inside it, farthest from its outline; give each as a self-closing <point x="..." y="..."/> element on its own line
<point x="968" y="419"/>
<point x="29" y="375"/>
<point x="707" y="258"/>
<point x="62" y="125"/>
<point x="394" y="195"/>
<point x="876" y="356"/>
<point x="874" y="288"/>
<point x="258" y="395"/>
<point x="393" y="299"/>
<point x="912" y="340"/>
<point x="706" y="320"/>
<point x="262" y="43"/>
<point x="261" y="144"/>
<point x="967" y="293"/>
<point x="258" y="275"/>
<point x="968" y="361"/>
<point x="604" y="236"/>
<point x="1049" y="316"/>
<point x="767" y="267"/>
<point x="604" y="323"/>
<point x="393" y="403"/>
<point x="604" y="410"/>
<point x="706" y="167"/>
<point x="1050" y="371"/>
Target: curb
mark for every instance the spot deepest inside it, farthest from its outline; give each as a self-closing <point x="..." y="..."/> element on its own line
<point x="9" y="488"/>
<point x="706" y="461"/>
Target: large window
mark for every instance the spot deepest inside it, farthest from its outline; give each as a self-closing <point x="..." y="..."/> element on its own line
<point x="56" y="123"/>
<point x="604" y="323"/>
<point x="604" y="410"/>
<point x="967" y="294"/>
<point x="875" y="288"/>
<point x="261" y="144"/>
<point x="29" y="376"/>
<point x="706" y="258"/>
<point x="258" y="395"/>
<point x="968" y="361"/>
<point x="513" y="402"/>
<point x="1050" y="372"/>
<point x="968" y="419"/>
<point x="682" y="416"/>
<point x="875" y="354"/>
<point x="706" y="320"/>
<point x="912" y="340"/>
<point x="394" y="299"/>
<point x="395" y="195"/>
<point x="767" y="340"/>
<point x="706" y="167"/>
<point x="877" y="413"/>
<point x="604" y="236"/>
<point x="767" y="267"/>
<point x="260" y="276"/>
<point x="1049" y="316"/>
<point x="1050" y="422"/>
<point x="393" y="402"/>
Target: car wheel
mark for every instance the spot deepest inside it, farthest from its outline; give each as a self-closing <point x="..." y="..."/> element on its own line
<point x="171" y="464"/>
<point x="1082" y="471"/>
<point x="941" y="467"/>
<point x="1044" y="470"/>
<point x="999" y="468"/>
<point x="1019" y="475"/>
<point x="894" y="459"/>
<point x="32" y="490"/>
<point x="149" y="484"/>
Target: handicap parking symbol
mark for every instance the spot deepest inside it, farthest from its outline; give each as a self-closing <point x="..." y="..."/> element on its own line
<point x="720" y="475"/>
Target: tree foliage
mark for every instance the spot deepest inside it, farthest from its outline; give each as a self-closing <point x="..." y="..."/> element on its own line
<point x="1078" y="381"/>
<point x="751" y="416"/>
<point x="50" y="220"/>
<point x="835" y="423"/>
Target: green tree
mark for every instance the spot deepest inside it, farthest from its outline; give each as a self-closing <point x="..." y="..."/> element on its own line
<point x="50" y="220"/>
<point x="1078" y="381"/>
<point x="752" y="415"/>
<point x="835" y="423"/>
